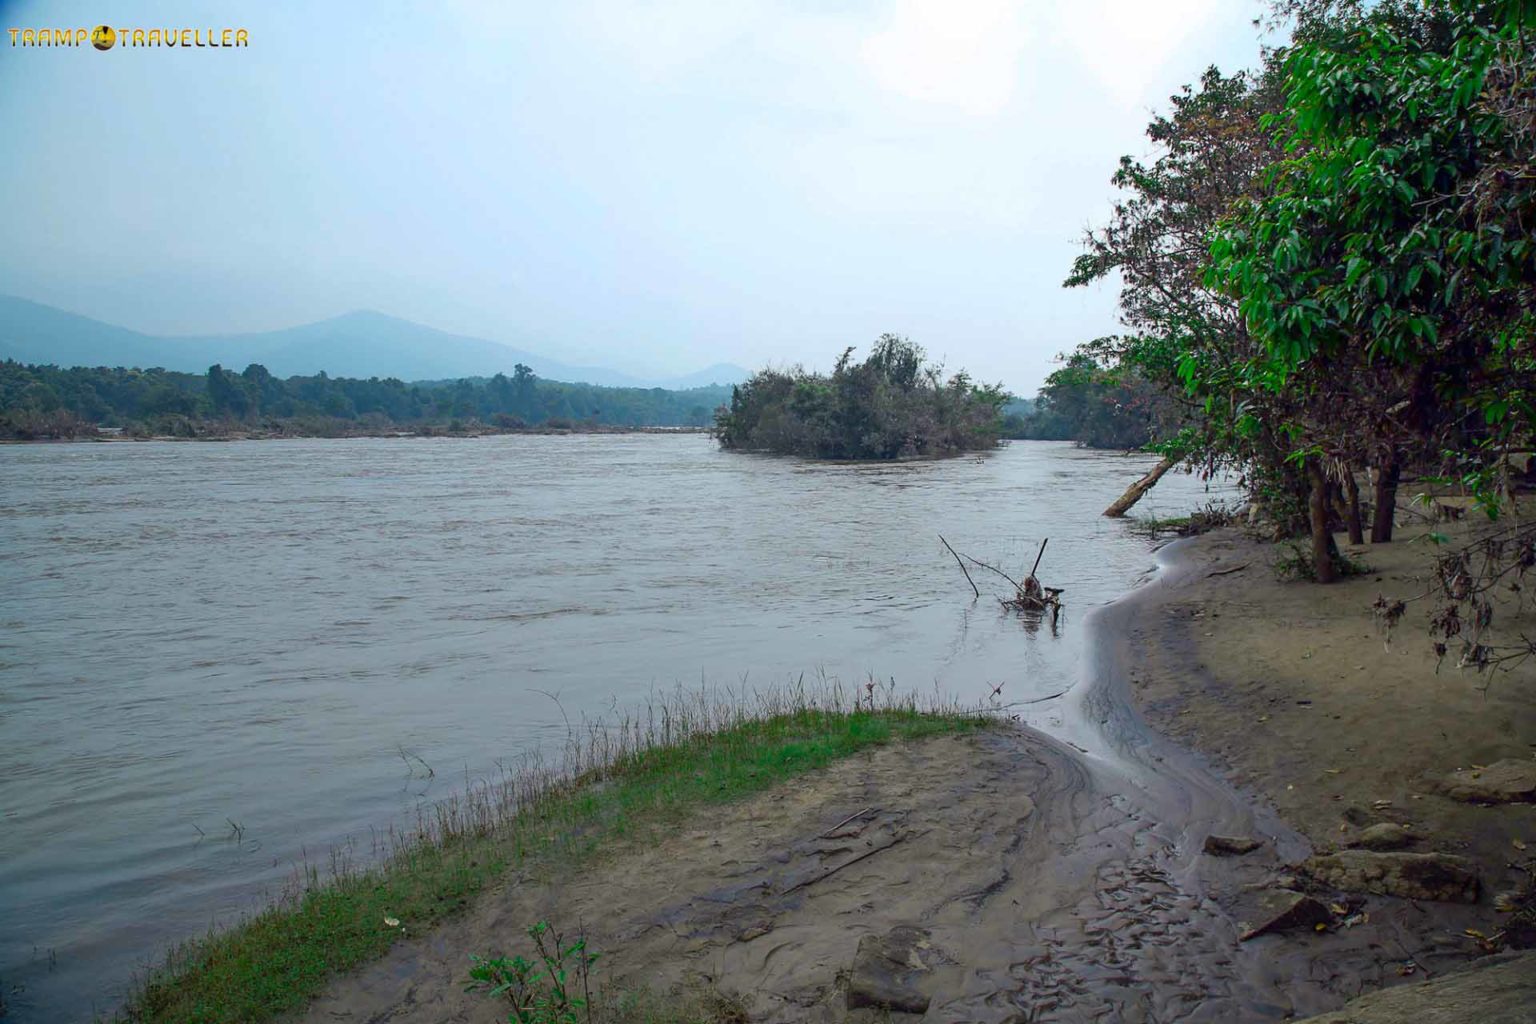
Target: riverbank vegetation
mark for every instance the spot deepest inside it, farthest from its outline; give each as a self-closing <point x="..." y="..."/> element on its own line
<point x="629" y="781"/>
<point x="1328" y="273"/>
<point x="892" y="405"/>
<point x="47" y="402"/>
<point x="1099" y="401"/>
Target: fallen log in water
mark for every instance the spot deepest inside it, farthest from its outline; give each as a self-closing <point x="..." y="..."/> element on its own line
<point x="1133" y="493"/>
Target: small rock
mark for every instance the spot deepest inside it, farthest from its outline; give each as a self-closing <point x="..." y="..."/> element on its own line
<point x="891" y="971"/>
<point x="1231" y="846"/>
<point x="1419" y="876"/>
<point x="1509" y="781"/>
<point x="1358" y="816"/>
<point x="755" y="930"/>
<point x="1278" y="910"/>
<point x="1384" y="836"/>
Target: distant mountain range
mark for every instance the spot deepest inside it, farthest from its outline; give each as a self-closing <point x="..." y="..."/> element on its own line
<point x="361" y="344"/>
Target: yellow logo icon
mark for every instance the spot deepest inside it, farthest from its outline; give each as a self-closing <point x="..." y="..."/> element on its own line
<point x="103" y="37"/>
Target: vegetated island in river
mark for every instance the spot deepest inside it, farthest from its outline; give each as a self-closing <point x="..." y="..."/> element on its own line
<point x="892" y="405"/>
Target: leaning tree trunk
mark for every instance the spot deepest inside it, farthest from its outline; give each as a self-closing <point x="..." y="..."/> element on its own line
<point x="1323" y="548"/>
<point x="1352" y="508"/>
<point x="1133" y="493"/>
<point x="1386" y="501"/>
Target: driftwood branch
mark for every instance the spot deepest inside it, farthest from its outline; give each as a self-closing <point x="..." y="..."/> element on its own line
<point x="834" y="828"/>
<point x="834" y="869"/>
<point x="961" y="565"/>
<point x="1133" y="493"/>
<point x="1029" y="595"/>
<point x="1037" y="700"/>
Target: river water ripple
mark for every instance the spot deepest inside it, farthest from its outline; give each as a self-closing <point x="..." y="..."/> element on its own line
<point x="262" y="633"/>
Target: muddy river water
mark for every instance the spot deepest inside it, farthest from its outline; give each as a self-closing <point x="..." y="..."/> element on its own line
<point x="215" y="658"/>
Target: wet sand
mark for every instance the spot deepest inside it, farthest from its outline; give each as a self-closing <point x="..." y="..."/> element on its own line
<point x="1295" y="693"/>
<point x="1057" y="876"/>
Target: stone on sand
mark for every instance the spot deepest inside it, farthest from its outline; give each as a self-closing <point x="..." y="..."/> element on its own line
<point x="893" y="971"/>
<point x="1510" y="781"/>
<point x="1231" y="846"/>
<point x="1278" y="910"/>
<point x="1384" y="837"/>
<point x="1419" y="876"/>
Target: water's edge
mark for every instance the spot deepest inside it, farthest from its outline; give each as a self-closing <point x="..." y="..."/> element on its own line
<point x="1179" y="778"/>
<point x="286" y="624"/>
<point x="1176" y="797"/>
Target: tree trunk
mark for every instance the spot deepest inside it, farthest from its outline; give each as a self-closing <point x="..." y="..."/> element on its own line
<point x="1133" y="493"/>
<point x="1352" y="508"/>
<point x="1338" y="509"/>
<point x="1322" y="539"/>
<point x="1386" y="501"/>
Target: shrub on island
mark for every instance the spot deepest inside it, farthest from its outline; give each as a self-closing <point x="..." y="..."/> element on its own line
<point x="892" y="405"/>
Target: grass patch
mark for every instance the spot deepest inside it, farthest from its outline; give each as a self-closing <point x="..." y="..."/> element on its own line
<point x="1154" y="527"/>
<point x="553" y="985"/>
<point x="1212" y="515"/>
<point x="631" y="780"/>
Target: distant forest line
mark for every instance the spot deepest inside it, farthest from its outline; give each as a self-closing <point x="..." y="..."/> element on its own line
<point x="49" y="402"/>
<point x="54" y="403"/>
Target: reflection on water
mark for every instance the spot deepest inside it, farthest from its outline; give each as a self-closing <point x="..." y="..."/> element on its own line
<point x="215" y="657"/>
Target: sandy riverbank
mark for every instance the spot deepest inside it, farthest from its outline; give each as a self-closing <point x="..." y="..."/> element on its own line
<point x="1294" y="691"/>
<point x="1032" y="878"/>
<point x="1026" y="883"/>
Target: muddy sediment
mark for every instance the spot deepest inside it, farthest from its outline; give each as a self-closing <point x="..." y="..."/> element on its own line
<point x="1050" y="873"/>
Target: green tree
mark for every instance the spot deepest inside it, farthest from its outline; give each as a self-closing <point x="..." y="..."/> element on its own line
<point x="889" y="406"/>
<point x="226" y="393"/>
<point x="1185" y="340"/>
<point x="1388" y="270"/>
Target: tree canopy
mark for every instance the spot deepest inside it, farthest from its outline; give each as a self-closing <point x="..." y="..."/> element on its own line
<point x="892" y="405"/>
<point x="1099" y="401"/>
<point x="1329" y="264"/>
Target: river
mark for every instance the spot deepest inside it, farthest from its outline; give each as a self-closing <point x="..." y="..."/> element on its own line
<point x="216" y="658"/>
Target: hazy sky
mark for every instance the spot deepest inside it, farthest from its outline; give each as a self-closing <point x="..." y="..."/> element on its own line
<point x="652" y="186"/>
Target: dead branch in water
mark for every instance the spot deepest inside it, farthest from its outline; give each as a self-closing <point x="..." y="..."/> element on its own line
<point x="961" y="565"/>
<point x="1134" y="492"/>
<point x="976" y="561"/>
<point x="1031" y="596"/>
<point x="1028" y="595"/>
